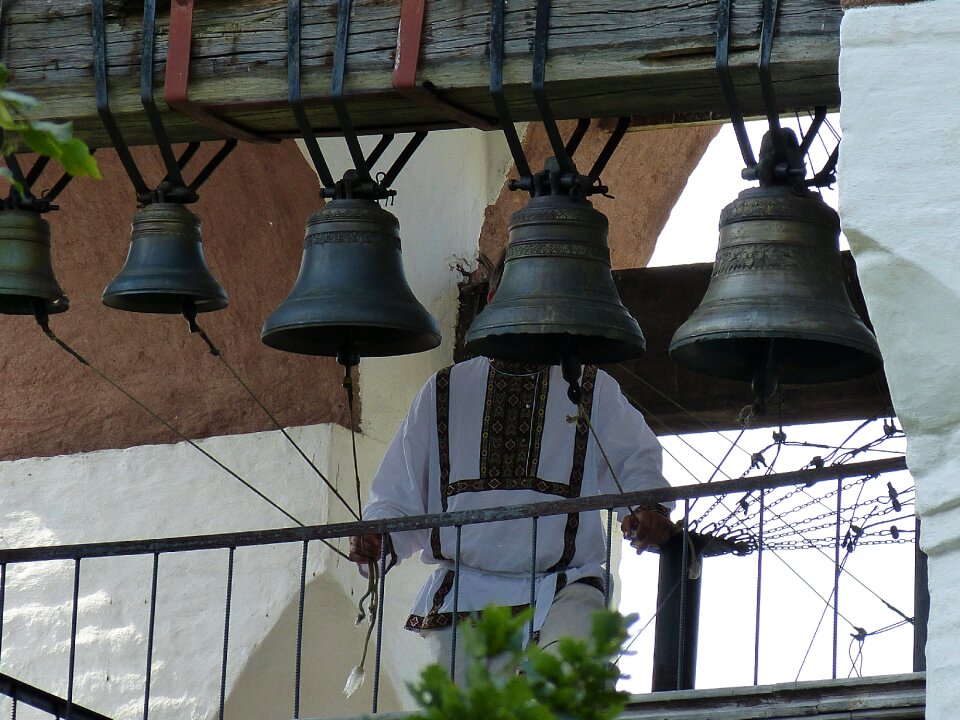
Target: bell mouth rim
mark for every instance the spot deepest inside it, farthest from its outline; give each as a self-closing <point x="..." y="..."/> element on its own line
<point x="858" y="358"/>
<point x="164" y="303"/>
<point x="408" y="340"/>
<point x="14" y="303"/>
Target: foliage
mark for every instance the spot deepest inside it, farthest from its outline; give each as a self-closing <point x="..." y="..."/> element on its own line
<point x="51" y="139"/>
<point x="575" y="680"/>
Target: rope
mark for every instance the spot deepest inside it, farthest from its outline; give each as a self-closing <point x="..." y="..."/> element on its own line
<point x="190" y="316"/>
<point x="41" y="319"/>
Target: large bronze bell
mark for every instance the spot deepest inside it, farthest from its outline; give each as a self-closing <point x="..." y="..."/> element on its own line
<point x="165" y="271"/>
<point x="777" y="307"/>
<point x="26" y="272"/>
<point x="351" y="295"/>
<point x="556" y="298"/>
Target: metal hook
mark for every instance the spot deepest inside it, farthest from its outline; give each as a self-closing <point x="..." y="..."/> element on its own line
<point x="767" y="27"/>
<point x="146" y="94"/>
<point x="724" y="15"/>
<point x="497" y="22"/>
<point x="336" y="95"/>
<point x="296" y="101"/>
<point x="103" y="102"/>
<point x="540" y="36"/>
<point x="379" y="189"/>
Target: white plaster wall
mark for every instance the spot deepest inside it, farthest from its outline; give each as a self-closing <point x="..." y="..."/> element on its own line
<point x="144" y="492"/>
<point x="171" y="490"/>
<point x="900" y="209"/>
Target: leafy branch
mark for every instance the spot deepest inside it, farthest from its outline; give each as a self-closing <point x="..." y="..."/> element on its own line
<point x="574" y="680"/>
<point x="50" y="139"/>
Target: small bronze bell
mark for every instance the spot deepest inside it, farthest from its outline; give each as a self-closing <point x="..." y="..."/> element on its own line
<point x="351" y="295"/>
<point x="26" y="271"/>
<point x="556" y="298"/>
<point x="165" y="271"/>
<point x="777" y="307"/>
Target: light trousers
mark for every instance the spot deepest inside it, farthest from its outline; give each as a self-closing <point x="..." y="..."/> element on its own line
<point x="570" y="615"/>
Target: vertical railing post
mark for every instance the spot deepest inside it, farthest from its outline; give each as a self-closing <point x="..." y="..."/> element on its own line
<point x="150" y="631"/>
<point x="756" y="630"/>
<point x="836" y="576"/>
<point x="71" y="672"/>
<point x="3" y="596"/>
<point x="608" y="571"/>
<point x="455" y="612"/>
<point x="226" y="633"/>
<point x="381" y="607"/>
<point x="678" y="616"/>
<point x="921" y="605"/>
<point x="298" y="661"/>
<point x="533" y="578"/>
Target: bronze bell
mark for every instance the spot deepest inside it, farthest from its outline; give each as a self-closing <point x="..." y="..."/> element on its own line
<point x="165" y="271"/>
<point x="351" y="294"/>
<point x="777" y="307"/>
<point x="26" y="271"/>
<point x="556" y="298"/>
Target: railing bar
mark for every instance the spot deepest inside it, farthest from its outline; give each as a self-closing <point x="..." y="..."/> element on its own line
<point x="299" y="658"/>
<point x="533" y="577"/>
<point x="756" y="631"/>
<point x="378" y="652"/>
<point x="684" y="571"/>
<point x="42" y="700"/>
<point x="449" y="519"/>
<point x="3" y="595"/>
<point x="836" y="577"/>
<point x="73" y="636"/>
<point x="150" y="631"/>
<point x="456" y="605"/>
<point x="226" y="633"/>
<point x="607" y="574"/>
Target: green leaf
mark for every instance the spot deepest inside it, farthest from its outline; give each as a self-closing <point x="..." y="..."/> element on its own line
<point x="42" y="143"/>
<point x="8" y="176"/>
<point x="77" y="160"/>
<point x="18" y="99"/>
<point x="62" y="132"/>
<point x="4" y="74"/>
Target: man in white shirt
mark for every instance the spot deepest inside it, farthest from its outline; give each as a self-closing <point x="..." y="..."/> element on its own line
<point x="485" y="433"/>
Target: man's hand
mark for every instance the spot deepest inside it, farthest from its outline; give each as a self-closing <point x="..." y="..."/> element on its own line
<point x="646" y="527"/>
<point x="365" y="549"/>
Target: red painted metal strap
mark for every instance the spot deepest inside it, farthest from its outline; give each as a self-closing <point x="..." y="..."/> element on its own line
<point x="177" y="78"/>
<point x="409" y="38"/>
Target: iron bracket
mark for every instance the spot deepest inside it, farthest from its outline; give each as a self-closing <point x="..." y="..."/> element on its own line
<point x="177" y="80"/>
<point x="409" y="37"/>
<point x="781" y="160"/>
<point x="560" y="176"/>
<point x="172" y="188"/>
<point x="357" y="182"/>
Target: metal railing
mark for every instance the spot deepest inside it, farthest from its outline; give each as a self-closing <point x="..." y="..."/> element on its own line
<point x="671" y="646"/>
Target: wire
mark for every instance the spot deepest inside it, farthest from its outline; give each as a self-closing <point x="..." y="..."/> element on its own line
<point x="41" y="319"/>
<point x="673" y="402"/>
<point x="190" y="316"/>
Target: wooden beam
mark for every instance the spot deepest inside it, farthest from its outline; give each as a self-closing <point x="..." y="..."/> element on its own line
<point x="654" y="61"/>
<point x="676" y="400"/>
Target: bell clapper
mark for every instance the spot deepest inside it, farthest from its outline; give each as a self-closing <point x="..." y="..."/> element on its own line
<point x="765" y="382"/>
<point x="572" y="368"/>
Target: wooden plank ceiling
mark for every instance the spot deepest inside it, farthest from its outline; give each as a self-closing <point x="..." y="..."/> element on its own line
<point x="653" y="61"/>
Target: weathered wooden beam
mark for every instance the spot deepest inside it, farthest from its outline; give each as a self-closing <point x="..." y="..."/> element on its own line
<point x="654" y="61"/>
